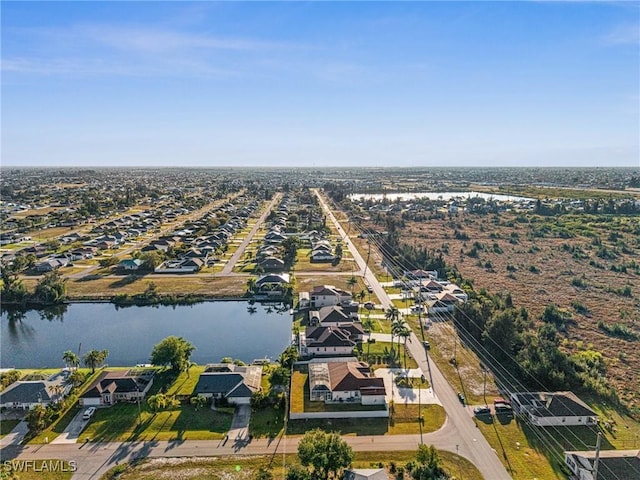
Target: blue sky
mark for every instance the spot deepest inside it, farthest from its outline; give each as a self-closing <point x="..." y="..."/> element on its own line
<point x="321" y="83"/>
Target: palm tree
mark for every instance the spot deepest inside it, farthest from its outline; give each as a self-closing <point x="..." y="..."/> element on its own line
<point x="251" y="284"/>
<point x="95" y="358"/>
<point x="392" y="314"/>
<point x="157" y="402"/>
<point x="352" y="282"/>
<point x="71" y="359"/>
<point x="368" y="325"/>
<point x="396" y="327"/>
<point x="404" y="333"/>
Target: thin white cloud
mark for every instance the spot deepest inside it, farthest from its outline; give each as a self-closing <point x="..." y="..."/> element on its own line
<point x="145" y="39"/>
<point x="628" y="34"/>
<point x="98" y="67"/>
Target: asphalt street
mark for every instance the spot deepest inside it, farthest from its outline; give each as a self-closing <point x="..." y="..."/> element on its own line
<point x="468" y="440"/>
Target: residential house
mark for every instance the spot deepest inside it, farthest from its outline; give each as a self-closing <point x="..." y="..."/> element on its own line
<point x="326" y="295"/>
<point x="328" y="341"/>
<point x="553" y="409"/>
<point x="234" y="383"/>
<point x="612" y="464"/>
<point x="321" y="256"/>
<point x="272" y="282"/>
<point x="50" y="265"/>
<point x="334" y="315"/>
<point x="271" y="264"/>
<point x="345" y="382"/>
<point x="444" y="303"/>
<point x="274" y="237"/>
<point x="190" y="265"/>
<point x="117" y="386"/>
<point x="26" y="394"/>
<point x="130" y="264"/>
<point x="365" y="474"/>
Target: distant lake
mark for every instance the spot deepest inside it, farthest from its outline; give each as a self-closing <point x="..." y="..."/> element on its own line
<point x="446" y="196"/>
<point x="217" y="329"/>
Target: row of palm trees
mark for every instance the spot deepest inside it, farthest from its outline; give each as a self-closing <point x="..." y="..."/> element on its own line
<point x="399" y="329"/>
<point x="92" y="359"/>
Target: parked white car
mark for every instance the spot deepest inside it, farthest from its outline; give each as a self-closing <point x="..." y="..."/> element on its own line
<point x="88" y="413"/>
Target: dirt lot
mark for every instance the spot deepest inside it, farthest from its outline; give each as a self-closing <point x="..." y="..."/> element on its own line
<point x="586" y="264"/>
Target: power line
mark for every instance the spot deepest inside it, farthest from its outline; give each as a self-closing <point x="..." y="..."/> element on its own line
<point x="470" y="339"/>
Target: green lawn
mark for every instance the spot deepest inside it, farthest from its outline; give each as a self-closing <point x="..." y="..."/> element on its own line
<point x="186" y="382"/>
<point x="120" y="423"/>
<point x="266" y="422"/>
<point x="524" y="452"/>
<point x="404" y="419"/>
<point x="6" y="426"/>
<point x="376" y="354"/>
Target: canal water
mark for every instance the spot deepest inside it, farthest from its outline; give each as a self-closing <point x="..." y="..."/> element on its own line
<point x="37" y="339"/>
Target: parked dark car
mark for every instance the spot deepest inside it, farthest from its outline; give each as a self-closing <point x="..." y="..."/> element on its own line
<point x="482" y="410"/>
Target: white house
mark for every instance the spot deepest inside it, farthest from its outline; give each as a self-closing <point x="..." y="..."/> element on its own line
<point x="366" y="474"/>
<point x="326" y="341"/>
<point x="116" y="386"/>
<point x="345" y="382"/>
<point x="553" y="409"/>
<point x="612" y="465"/>
<point x="444" y="303"/>
<point x="327" y="295"/>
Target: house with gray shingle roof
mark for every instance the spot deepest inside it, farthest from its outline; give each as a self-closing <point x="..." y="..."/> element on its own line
<point x="236" y="385"/>
<point x="26" y="394"/>
<point x="553" y="408"/>
<point x="612" y="464"/>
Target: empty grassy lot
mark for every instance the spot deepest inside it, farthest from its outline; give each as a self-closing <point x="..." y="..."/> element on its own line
<point x="246" y="467"/>
<point x="109" y="286"/>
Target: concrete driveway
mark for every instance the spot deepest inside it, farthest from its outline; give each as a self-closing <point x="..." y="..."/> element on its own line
<point x="403" y="395"/>
<point x="240" y="424"/>
<point x="73" y="430"/>
<point x="15" y="436"/>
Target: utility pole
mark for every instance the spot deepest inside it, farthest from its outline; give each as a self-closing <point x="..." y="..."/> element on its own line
<point x="368" y="253"/>
<point x="139" y="411"/>
<point x="420" y="310"/>
<point x="597" y="460"/>
<point x="484" y="383"/>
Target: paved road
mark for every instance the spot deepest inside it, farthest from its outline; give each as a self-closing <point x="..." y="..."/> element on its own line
<point x="465" y="433"/>
<point x="228" y="268"/>
<point x="94" y="459"/>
